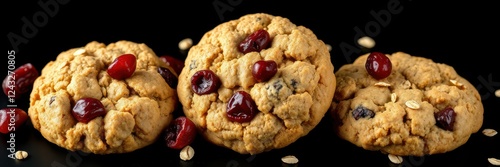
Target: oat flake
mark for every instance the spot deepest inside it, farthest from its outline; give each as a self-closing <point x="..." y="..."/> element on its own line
<point x="382" y="84"/>
<point x="395" y="159"/>
<point x="20" y="155"/>
<point x="412" y="104"/>
<point x="490" y="132"/>
<point x="393" y="97"/>
<point x="290" y="159"/>
<point x="494" y="161"/>
<point x="79" y="52"/>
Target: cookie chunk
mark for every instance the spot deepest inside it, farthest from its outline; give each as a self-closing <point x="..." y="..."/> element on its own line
<point x="137" y="108"/>
<point x="421" y="108"/>
<point x="257" y="83"/>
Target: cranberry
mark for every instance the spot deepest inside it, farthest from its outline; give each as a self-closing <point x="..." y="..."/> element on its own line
<point x="180" y="133"/>
<point x="205" y="82"/>
<point x="169" y="77"/>
<point x="361" y="112"/>
<point x="241" y="107"/>
<point x="263" y="70"/>
<point x="11" y="119"/>
<point x="87" y="109"/>
<point x="20" y="80"/>
<point x="378" y="65"/>
<point x="122" y="67"/>
<point x="255" y="42"/>
<point x="173" y="62"/>
<point x="446" y="118"/>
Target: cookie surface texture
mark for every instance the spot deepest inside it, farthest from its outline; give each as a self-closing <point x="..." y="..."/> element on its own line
<point x="137" y="108"/>
<point x="290" y="104"/>
<point x="399" y="114"/>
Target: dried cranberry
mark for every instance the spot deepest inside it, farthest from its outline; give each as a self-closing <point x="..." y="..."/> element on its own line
<point x="255" y="42"/>
<point x="11" y="119"/>
<point x="378" y="65"/>
<point x="87" y="108"/>
<point x="241" y="107"/>
<point x="362" y="112"/>
<point x="263" y="70"/>
<point x="122" y="67"/>
<point x="168" y="76"/>
<point x="205" y="82"/>
<point x="173" y="62"/>
<point x="446" y="118"/>
<point x="20" y="81"/>
<point x="180" y="133"/>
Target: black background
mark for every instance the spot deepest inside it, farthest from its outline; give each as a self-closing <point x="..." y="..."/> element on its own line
<point x="463" y="34"/>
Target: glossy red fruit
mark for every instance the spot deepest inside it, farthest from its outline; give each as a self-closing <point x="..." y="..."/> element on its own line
<point x="241" y="107"/>
<point x="256" y="41"/>
<point x="86" y="109"/>
<point x="173" y="62"/>
<point x="180" y="133"/>
<point x="168" y="76"/>
<point x="263" y="70"/>
<point x="378" y="65"/>
<point x="11" y="119"/>
<point x="122" y="67"/>
<point x="20" y="81"/>
<point x="446" y="118"/>
<point x="205" y="82"/>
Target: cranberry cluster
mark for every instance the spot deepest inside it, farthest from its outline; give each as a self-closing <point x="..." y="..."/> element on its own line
<point x="241" y="107"/>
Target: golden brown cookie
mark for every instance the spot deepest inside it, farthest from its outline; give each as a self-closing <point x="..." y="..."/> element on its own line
<point x="406" y="113"/>
<point x="286" y="106"/>
<point x="137" y="108"/>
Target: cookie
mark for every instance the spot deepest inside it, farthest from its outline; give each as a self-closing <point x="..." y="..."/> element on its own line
<point x="137" y="108"/>
<point x="421" y="108"/>
<point x="253" y="114"/>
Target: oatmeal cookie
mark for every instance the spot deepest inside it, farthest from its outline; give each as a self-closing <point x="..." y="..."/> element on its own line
<point x="421" y="108"/>
<point x="137" y="108"/>
<point x="286" y="97"/>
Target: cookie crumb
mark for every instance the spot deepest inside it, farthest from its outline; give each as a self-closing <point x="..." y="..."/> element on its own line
<point x="382" y="84"/>
<point x="412" y="104"/>
<point x="366" y="42"/>
<point x="494" y="161"/>
<point x="497" y="93"/>
<point x="489" y="132"/>
<point x="185" y="43"/>
<point x="79" y="52"/>
<point x="187" y="153"/>
<point x="395" y="159"/>
<point x="290" y="159"/>
<point x="393" y="97"/>
<point x="20" y="155"/>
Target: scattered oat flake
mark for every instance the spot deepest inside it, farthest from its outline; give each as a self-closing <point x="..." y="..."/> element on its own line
<point x="382" y="84"/>
<point x="393" y="97"/>
<point x="20" y="155"/>
<point x="366" y="42"/>
<point x="185" y="43"/>
<point x="395" y="158"/>
<point x="79" y="52"/>
<point x="187" y="153"/>
<point x="497" y="93"/>
<point x="494" y="161"/>
<point x="490" y="132"/>
<point x="412" y="104"/>
<point x="290" y="159"/>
